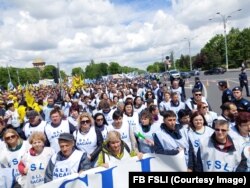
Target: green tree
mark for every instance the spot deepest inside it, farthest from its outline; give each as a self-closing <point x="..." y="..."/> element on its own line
<point x="114" y="68"/>
<point x="48" y="72"/>
<point x="77" y="71"/>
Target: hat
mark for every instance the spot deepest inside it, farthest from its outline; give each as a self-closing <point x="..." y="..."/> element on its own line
<point x="222" y="83"/>
<point x="197" y="78"/>
<point x="237" y="88"/>
<point x="32" y="114"/>
<point x="10" y="102"/>
<point x="66" y="136"/>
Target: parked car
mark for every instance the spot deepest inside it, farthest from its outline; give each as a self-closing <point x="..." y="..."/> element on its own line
<point x="194" y="73"/>
<point x="185" y="75"/>
<point x="174" y="73"/>
<point x="217" y="70"/>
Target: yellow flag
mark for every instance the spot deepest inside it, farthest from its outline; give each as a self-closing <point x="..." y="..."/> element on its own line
<point x="29" y="98"/>
<point x="22" y="112"/>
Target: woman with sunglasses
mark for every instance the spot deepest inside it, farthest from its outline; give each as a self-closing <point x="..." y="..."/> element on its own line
<point x="101" y="124"/>
<point x="150" y="95"/>
<point x="88" y="138"/>
<point x="13" y="151"/>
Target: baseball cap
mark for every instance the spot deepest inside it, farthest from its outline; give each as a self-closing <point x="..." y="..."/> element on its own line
<point x="66" y="136"/>
<point x="237" y="88"/>
<point x="222" y="83"/>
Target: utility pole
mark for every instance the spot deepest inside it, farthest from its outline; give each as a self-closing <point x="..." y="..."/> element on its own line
<point x="18" y="79"/>
<point x="224" y="20"/>
<point x="9" y="73"/>
<point x="189" y="51"/>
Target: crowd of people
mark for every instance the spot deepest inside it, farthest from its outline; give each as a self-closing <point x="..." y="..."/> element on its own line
<point x="64" y="130"/>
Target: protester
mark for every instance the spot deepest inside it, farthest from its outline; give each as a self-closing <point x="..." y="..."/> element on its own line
<point x="229" y="112"/>
<point x="241" y="133"/>
<point x="114" y="150"/>
<point x="144" y="132"/>
<point x="127" y="133"/>
<point x="67" y="161"/>
<point x="101" y="124"/>
<point x="172" y="139"/>
<point x="13" y="152"/>
<point x="218" y="153"/>
<point x="56" y="127"/>
<point x="191" y="103"/>
<point x="210" y="116"/>
<point x="74" y="113"/>
<point x="198" y="130"/>
<point x="35" y="123"/>
<point x="88" y="138"/>
<point x="33" y="163"/>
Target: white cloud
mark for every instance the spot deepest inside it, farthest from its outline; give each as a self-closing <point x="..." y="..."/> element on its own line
<point x="72" y="32"/>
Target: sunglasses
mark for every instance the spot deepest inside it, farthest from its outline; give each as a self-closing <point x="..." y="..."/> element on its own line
<point x="99" y="119"/>
<point x="221" y="130"/>
<point x="198" y="94"/>
<point x="85" y="122"/>
<point x="10" y="137"/>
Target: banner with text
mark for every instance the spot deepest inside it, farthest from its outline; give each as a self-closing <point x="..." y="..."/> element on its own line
<point x="117" y="176"/>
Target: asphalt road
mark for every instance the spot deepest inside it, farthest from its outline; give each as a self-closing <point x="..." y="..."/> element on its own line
<point x="211" y="90"/>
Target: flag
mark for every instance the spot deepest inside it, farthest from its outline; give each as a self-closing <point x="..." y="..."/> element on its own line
<point x="77" y="81"/>
<point x="10" y="86"/>
<point x="29" y="98"/>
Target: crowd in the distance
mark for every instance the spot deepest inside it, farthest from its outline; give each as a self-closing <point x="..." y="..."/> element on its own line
<point x="52" y="132"/>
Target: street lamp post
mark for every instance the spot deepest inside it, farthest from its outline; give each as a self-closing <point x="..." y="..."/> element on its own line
<point x="224" y="20"/>
<point x="189" y="51"/>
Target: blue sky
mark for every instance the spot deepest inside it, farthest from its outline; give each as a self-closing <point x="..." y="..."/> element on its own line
<point x="144" y="4"/>
<point x="133" y="33"/>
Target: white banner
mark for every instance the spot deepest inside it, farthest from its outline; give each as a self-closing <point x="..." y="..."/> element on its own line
<point x="6" y="177"/>
<point x="117" y="176"/>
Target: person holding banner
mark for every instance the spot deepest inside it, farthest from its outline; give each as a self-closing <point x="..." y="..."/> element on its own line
<point x="33" y="163"/>
<point x="171" y="139"/>
<point x="67" y="161"/>
<point x="126" y="131"/>
<point x="144" y="132"/>
<point x="114" y="149"/>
